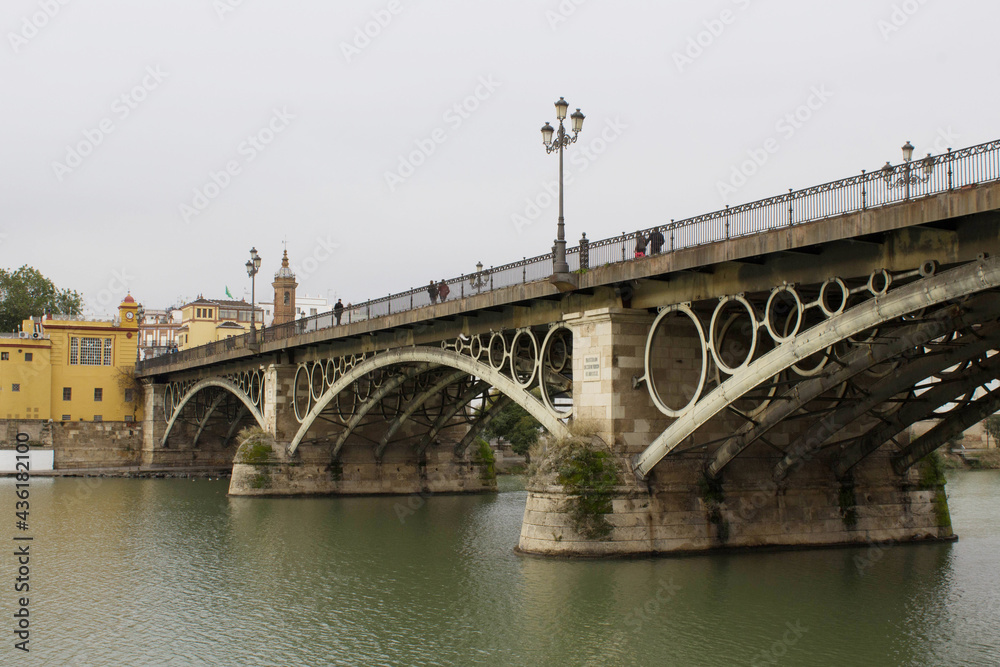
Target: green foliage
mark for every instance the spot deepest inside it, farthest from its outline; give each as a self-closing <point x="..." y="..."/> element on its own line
<point x="483" y="457"/>
<point x="711" y="493"/>
<point x="254" y="446"/>
<point x="990" y="460"/>
<point x="515" y="425"/>
<point x="261" y="480"/>
<point x="848" y="505"/>
<point x="591" y="476"/>
<point x="932" y="471"/>
<point x="941" y="512"/>
<point x="992" y="426"/>
<point x="26" y="292"/>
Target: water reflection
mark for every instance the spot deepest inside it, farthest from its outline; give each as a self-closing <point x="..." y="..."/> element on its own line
<point x="176" y="572"/>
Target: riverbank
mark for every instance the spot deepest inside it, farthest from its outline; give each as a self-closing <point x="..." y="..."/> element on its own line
<point x="134" y="472"/>
<point x="972" y="459"/>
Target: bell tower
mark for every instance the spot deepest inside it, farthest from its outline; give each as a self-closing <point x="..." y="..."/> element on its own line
<point x="128" y="313"/>
<point x="284" y="292"/>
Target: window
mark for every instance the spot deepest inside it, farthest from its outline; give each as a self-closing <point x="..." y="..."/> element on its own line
<point x="67" y="393"/>
<point x="90" y="351"/>
<point x="286" y="298"/>
<point x="128" y="418"/>
<point x="313" y="311"/>
<point x="98" y="394"/>
<point x="198" y="312"/>
<point x="15" y="387"/>
<point x="28" y="356"/>
<point x="4" y="356"/>
<point x="209" y="312"/>
<point x="67" y="418"/>
<point x="129" y="395"/>
<point x="98" y="418"/>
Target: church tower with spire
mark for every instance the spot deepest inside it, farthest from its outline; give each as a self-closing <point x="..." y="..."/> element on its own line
<point x="284" y="292"/>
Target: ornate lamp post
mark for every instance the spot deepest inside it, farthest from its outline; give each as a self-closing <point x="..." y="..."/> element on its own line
<point x="478" y="279"/>
<point x="253" y="265"/>
<point x="561" y="277"/>
<point x="907" y="178"/>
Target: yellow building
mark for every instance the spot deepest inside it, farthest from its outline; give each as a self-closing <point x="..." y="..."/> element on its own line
<point x="206" y="321"/>
<point x="68" y="370"/>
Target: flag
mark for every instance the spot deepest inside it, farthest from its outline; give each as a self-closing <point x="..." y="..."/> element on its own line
<point x="228" y="293"/>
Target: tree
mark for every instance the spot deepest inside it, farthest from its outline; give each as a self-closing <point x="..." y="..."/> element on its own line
<point x="515" y="425"/>
<point x="993" y="427"/>
<point x="26" y="292"/>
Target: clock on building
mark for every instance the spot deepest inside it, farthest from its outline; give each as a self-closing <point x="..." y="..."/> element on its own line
<point x="129" y="315"/>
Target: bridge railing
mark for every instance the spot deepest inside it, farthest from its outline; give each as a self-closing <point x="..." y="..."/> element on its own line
<point x="891" y="184"/>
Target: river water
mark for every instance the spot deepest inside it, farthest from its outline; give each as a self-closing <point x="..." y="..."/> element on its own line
<point x="174" y="572"/>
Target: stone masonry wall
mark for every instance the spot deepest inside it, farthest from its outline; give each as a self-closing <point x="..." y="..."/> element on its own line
<point x="677" y="514"/>
<point x="81" y="445"/>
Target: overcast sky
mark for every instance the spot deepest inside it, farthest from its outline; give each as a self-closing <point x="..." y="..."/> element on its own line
<point x="148" y="145"/>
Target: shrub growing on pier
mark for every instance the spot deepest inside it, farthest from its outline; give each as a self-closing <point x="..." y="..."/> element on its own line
<point x="588" y="472"/>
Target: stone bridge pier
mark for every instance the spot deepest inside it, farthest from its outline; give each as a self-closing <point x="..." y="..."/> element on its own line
<point x="368" y="437"/>
<point x="779" y="415"/>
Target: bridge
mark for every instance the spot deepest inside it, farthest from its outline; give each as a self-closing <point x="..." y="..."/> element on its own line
<point x="753" y="380"/>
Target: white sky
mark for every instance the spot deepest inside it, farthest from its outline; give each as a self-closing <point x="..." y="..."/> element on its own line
<point x="888" y="71"/>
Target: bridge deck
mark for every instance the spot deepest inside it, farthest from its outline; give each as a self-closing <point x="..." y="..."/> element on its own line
<point x="860" y="226"/>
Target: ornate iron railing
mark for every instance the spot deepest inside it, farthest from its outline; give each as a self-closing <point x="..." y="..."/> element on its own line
<point x="889" y="185"/>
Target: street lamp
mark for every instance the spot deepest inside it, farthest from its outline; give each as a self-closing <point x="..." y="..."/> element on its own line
<point x="478" y="279"/>
<point x="253" y="265"/>
<point x="561" y="277"/>
<point x="908" y="177"/>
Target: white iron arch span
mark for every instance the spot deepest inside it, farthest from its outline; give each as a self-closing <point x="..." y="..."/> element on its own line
<point x="928" y="291"/>
<point x="222" y="383"/>
<point x="439" y="357"/>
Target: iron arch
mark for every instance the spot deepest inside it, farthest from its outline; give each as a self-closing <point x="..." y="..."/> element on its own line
<point x="221" y="383"/>
<point x="959" y="282"/>
<point x="439" y="357"/>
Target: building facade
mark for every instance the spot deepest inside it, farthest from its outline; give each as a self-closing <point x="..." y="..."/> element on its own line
<point x="68" y="370"/>
<point x="158" y="330"/>
<point x="209" y="320"/>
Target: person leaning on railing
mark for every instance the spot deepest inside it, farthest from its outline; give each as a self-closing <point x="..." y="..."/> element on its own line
<point x="640" y="245"/>
<point x="655" y="242"/>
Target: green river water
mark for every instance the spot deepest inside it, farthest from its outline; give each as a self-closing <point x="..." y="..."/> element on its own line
<point x="174" y="572"/>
